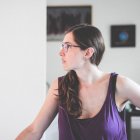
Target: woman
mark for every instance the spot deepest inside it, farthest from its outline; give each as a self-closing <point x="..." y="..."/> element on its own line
<point x="90" y="102"/>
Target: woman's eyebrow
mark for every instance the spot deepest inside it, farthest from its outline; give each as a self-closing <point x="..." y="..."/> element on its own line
<point x="67" y="42"/>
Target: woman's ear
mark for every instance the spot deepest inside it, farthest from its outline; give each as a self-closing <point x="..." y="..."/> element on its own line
<point x="89" y="52"/>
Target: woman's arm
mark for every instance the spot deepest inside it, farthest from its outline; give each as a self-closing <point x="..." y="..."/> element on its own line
<point x="127" y="89"/>
<point x="45" y="116"/>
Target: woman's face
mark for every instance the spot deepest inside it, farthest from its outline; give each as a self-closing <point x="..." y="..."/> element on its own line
<point x="71" y="55"/>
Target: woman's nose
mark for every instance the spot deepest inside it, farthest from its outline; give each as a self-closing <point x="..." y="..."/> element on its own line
<point x="61" y="52"/>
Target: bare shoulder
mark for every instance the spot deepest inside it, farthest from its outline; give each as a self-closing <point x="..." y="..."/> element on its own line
<point x="53" y="90"/>
<point x="128" y="89"/>
<point x="124" y="83"/>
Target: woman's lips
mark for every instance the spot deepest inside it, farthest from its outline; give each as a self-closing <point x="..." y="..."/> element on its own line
<point x="63" y="61"/>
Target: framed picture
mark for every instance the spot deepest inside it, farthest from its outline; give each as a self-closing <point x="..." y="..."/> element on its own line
<point x="59" y="18"/>
<point x="123" y="36"/>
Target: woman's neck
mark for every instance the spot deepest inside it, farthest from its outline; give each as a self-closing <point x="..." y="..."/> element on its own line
<point x="89" y="75"/>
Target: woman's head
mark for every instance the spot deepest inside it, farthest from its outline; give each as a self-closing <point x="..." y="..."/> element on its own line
<point x="87" y="36"/>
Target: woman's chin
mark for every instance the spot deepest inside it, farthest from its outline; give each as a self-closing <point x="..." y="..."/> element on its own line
<point x="66" y="69"/>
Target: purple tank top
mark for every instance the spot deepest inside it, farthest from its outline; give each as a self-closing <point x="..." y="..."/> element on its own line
<point x="108" y="124"/>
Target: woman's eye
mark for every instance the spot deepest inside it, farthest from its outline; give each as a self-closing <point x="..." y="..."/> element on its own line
<point x="68" y="45"/>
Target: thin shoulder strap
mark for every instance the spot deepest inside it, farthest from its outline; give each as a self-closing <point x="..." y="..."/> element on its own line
<point x="113" y="81"/>
<point x="113" y="84"/>
<point x="60" y="80"/>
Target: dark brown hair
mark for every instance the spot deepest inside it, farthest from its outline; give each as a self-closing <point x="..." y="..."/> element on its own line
<point x="85" y="36"/>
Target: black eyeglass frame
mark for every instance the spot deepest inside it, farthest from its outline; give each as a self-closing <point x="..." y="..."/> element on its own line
<point x="65" y="46"/>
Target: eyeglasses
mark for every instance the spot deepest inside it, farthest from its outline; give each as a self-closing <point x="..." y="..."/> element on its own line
<point x="66" y="46"/>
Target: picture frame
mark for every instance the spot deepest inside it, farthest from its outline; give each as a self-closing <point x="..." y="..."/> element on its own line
<point x="59" y="18"/>
<point x="123" y="35"/>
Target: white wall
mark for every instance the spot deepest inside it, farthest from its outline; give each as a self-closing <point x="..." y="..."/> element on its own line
<point x="22" y="63"/>
<point x="121" y="60"/>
